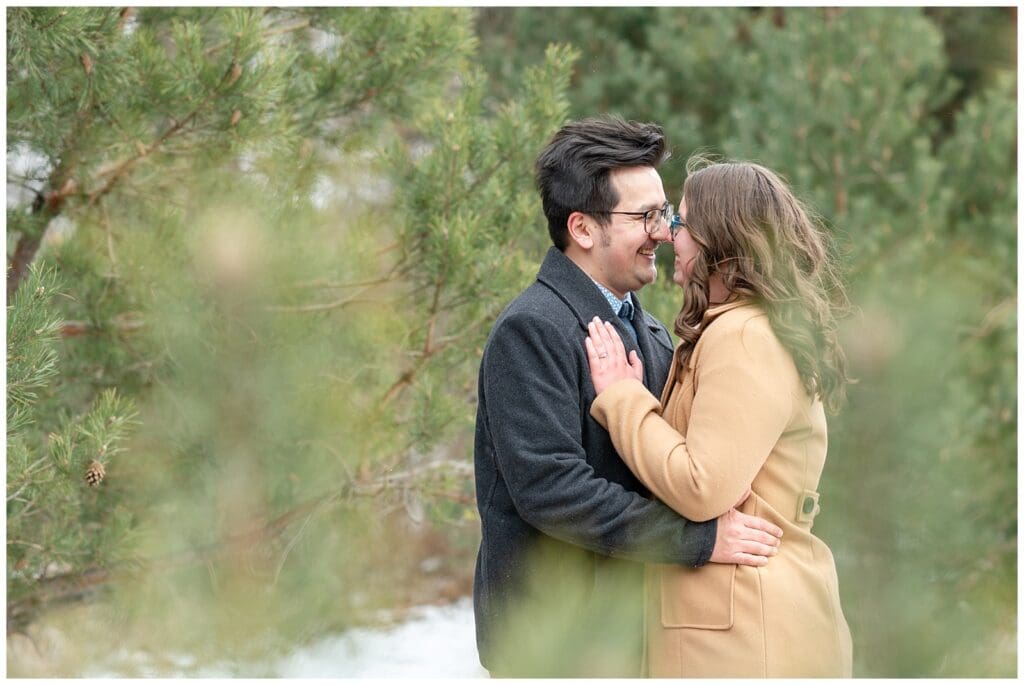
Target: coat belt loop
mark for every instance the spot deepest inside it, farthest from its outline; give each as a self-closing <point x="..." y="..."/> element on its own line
<point x="807" y="506"/>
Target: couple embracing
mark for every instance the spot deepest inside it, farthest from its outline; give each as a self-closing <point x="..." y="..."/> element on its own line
<point x="647" y="510"/>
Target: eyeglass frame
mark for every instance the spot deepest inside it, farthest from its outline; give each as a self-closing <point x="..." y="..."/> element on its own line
<point x="665" y="212"/>
<point x="675" y="224"/>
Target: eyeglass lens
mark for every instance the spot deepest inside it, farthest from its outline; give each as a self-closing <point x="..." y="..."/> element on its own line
<point x="651" y="218"/>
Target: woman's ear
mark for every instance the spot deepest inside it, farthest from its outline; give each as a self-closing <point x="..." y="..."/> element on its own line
<point x="581" y="230"/>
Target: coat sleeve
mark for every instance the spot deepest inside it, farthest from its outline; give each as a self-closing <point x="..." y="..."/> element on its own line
<point x="533" y="391"/>
<point x="741" y="407"/>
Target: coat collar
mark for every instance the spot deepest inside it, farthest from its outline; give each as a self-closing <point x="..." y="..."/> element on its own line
<point x="579" y="292"/>
<point x="710" y="315"/>
<point x="717" y="310"/>
<point x="574" y="287"/>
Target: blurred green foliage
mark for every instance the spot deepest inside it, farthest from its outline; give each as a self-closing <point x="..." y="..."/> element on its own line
<point x="281" y="234"/>
<point x="271" y="242"/>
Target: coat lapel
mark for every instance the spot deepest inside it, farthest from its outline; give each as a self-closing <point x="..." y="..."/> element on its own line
<point x="570" y="283"/>
<point x="655" y="348"/>
<point x="574" y="287"/>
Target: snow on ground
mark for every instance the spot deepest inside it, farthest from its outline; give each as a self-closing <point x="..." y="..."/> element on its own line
<point x="436" y="642"/>
<point x="433" y="642"/>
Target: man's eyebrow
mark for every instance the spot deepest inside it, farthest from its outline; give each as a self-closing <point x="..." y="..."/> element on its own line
<point x="649" y="207"/>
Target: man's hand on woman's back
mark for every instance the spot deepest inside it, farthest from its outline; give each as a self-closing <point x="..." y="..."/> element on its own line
<point x="745" y="539"/>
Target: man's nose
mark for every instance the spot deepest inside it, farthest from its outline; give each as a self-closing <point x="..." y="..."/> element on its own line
<point x="662" y="234"/>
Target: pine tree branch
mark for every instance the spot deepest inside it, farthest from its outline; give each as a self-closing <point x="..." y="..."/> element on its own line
<point x="53" y="592"/>
<point x="295" y="539"/>
<point x="408" y="377"/>
<point x="994" y="318"/>
<point x="73" y="587"/>
<point x="119" y="324"/>
<point x="30" y="508"/>
<point x="14" y="497"/>
<point x="351" y="299"/>
<point x="326" y="306"/>
<point x="390" y="246"/>
<point x="22" y="181"/>
<point x="26" y="475"/>
<point x="106" y="114"/>
<point x="122" y="168"/>
<point x="52" y="204"/>
<point x="17" y="270"/>
<point x="54" y="21"/>
<point x="49" y="205"/>
<point x="277" y="31"/>
<point x="486" y="175"/>
<point x="35" y="466"/>
<point x="305" y="23"/>
<point x="110" y="238"/>
<point x="334" y="285"/>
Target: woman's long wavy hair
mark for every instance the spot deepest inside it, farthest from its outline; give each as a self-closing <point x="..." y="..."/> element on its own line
<point x="767" y="246"/>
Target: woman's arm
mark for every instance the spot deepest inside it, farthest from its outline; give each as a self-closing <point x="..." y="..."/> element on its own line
<point x="741" y="407"/>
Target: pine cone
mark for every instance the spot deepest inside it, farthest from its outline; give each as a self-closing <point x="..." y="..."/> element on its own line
<point x="95" y="473"/>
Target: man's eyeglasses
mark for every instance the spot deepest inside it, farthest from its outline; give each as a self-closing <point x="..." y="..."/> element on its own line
<point x="652" y="217"/>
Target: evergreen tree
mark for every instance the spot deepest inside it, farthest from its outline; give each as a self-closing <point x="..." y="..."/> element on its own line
<point x="56" y="519"/>
<point x="281" y="234"/>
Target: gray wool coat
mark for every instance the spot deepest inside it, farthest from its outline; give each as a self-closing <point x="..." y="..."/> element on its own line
<point x="558" y="590"/>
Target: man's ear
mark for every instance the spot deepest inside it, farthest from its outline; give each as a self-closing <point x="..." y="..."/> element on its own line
<point x="581" y="230"/>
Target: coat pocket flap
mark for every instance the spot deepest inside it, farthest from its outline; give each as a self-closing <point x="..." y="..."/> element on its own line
<point x="698" y="597"/>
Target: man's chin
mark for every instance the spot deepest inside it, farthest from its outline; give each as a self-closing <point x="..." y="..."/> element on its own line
<point x="643" y="276"/>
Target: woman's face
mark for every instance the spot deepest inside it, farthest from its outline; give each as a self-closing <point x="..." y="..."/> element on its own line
<point x="686" y="250"/>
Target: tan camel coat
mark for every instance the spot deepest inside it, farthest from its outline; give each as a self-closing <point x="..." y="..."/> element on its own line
<point x="740" y="417"/>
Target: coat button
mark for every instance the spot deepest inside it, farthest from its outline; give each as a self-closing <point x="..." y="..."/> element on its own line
<point x="808" y="505"/>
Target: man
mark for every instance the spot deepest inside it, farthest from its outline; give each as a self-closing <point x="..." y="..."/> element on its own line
<point x="559" y="578"/>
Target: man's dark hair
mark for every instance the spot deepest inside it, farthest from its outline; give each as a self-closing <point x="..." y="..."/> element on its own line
<point x="572" y="173"/>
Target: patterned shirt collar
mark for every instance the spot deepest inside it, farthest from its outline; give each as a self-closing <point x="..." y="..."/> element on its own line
<point x="613" y="302"/>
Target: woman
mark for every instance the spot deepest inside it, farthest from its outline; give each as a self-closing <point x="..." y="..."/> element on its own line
<point x="758" y="365"/>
